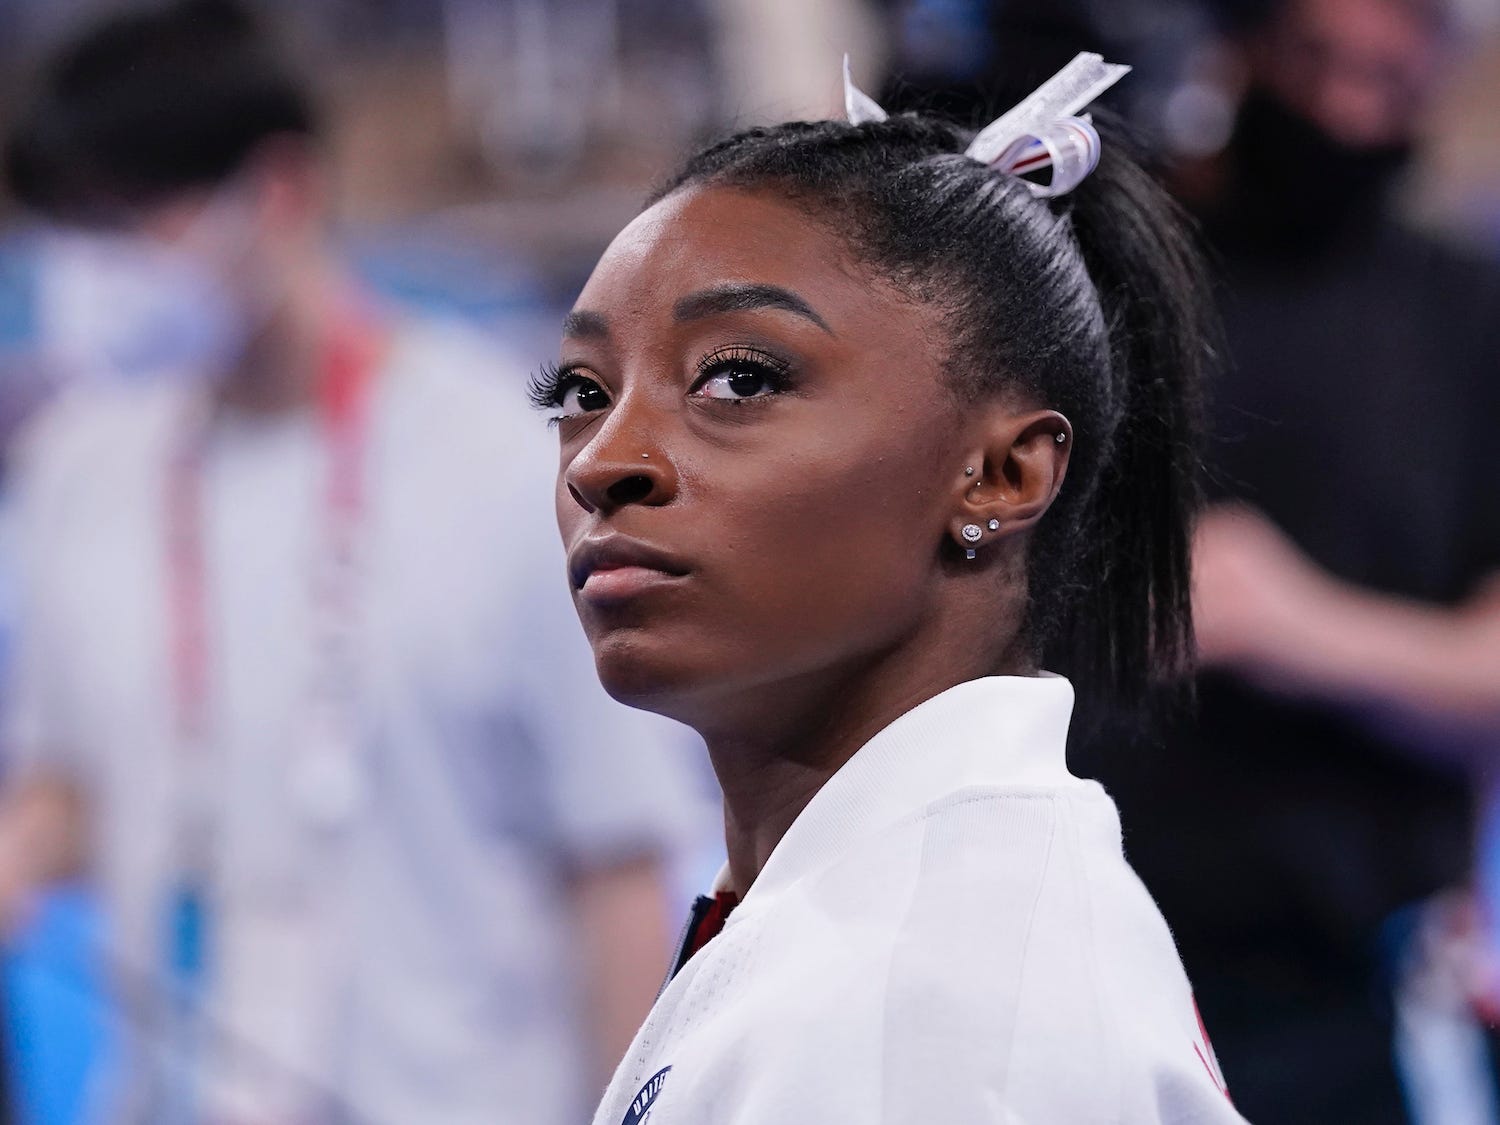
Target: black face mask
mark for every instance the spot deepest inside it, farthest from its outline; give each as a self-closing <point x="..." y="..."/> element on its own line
<point x="1296" y="189"/>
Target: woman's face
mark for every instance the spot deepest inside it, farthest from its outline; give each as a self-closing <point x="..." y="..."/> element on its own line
<point x="760" y="456"/>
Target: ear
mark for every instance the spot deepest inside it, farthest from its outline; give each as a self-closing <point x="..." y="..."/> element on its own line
<point x="1018" y="463"/>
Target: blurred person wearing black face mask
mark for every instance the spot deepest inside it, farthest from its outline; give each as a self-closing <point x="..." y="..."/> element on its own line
<point x="1328" y="121"/>
<point x="1348" y="621"/>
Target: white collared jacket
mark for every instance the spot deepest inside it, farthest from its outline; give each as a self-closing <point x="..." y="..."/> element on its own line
<point x="948" y="934"/>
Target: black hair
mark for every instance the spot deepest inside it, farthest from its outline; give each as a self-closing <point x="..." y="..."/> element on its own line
<point x="1095" y="304"/>
<point x="150" y="103"/>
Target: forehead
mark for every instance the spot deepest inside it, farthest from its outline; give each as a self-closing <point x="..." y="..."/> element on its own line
<point x="702" y="237"/>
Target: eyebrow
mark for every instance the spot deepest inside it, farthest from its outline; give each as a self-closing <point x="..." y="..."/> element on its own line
<point x="586" y="325"/>
<point x="744" y="297"/>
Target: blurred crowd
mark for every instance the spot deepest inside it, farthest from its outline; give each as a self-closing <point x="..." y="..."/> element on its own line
<point x="311" y="810"/>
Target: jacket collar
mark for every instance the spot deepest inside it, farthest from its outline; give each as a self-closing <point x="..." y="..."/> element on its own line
<point x="1008" y="731"/>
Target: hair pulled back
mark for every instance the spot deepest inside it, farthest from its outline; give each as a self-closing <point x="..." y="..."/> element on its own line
<point x="1093" y="304"/>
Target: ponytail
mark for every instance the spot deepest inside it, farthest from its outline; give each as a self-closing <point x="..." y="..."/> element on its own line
<point x="1128" y="627"/>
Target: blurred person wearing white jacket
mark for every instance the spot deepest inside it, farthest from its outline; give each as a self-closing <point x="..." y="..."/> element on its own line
<point x="297" y="677"/>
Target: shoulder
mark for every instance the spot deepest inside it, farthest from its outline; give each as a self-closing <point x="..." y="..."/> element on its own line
<point x="1440" y="252"/>
<point x="1458" y="281"/>
<point x="93" y="433"/>
<point x="1032" y="940"/>
<point x="998" y="943"/>
<point x="952" y="965"/>
<point x="958" y="966"/>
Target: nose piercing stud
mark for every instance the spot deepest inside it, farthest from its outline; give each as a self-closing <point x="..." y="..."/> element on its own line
<point x="994" y="525"/>
<point x="645" y="456"/>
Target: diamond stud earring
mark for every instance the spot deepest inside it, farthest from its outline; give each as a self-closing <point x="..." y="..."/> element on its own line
<point x="994" y="525"/>
<point x="972" y="533"/>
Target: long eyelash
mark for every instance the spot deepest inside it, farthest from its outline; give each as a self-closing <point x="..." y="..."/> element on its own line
<point x="545" y="387"/>
<point x="777" y="371"/>
<point x="777" y="367"/>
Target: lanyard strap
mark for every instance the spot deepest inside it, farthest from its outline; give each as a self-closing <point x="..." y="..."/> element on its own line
<point x="346" y="374"/>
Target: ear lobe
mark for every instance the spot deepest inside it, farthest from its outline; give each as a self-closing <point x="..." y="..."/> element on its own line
<point x="1025" y="460"/>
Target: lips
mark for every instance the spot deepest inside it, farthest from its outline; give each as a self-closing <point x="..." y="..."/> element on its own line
<point x="615" y="567"/>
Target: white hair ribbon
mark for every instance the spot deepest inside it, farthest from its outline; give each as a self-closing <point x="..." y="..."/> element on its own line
<point x="1042" y="131"/>
<point x="859" y="107"/>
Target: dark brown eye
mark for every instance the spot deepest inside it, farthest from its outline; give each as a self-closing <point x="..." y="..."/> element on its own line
<point x="582" y="396"/>
<point x="738" y="379"/>
<point x="745" y="382"/>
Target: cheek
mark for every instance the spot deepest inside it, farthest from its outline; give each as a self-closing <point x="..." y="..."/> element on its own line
<point x="814" y="546"/>
<point x="834" y="558"/>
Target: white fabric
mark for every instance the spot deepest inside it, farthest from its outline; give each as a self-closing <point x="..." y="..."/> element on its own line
<point x="426" y="975"/>
<point x="947" y="933"/>
<point x="1041" y="132"/>
<point x="859" y="107"/>
<point x="1069" y="90"/>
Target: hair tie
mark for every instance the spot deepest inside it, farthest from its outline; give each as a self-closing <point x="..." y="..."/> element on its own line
<point x="1043" y="131"/>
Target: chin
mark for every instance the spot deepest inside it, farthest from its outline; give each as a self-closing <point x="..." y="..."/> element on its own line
<point x="643" y="672"/>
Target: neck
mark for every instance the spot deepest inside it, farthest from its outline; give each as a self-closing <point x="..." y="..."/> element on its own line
<point x="773" y="749"/>
<point x="283" y="362"/>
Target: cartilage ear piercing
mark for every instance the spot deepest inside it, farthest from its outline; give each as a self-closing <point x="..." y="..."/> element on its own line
<point x="994" y="525"/>
<point x="969" y="472"/>
<point x="1061" y="437"/>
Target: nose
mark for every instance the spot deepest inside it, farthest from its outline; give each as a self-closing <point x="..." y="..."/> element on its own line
<point x="624" y="464"/>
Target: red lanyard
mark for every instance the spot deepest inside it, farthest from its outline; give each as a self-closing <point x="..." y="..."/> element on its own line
<point x="347" y="373"/>
<point x="348" y="369"/>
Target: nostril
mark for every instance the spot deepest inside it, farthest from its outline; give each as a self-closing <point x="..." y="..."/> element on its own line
<point x="630" y="490"/>
<point x="579" y="500"/>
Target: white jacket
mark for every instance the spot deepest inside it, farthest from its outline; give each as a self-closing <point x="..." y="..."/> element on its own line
<point x="948" y="934"/>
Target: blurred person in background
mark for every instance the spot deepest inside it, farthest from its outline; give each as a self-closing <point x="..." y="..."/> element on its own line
<point x="296" y="681"/>
<point x="1348" y="612"/>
